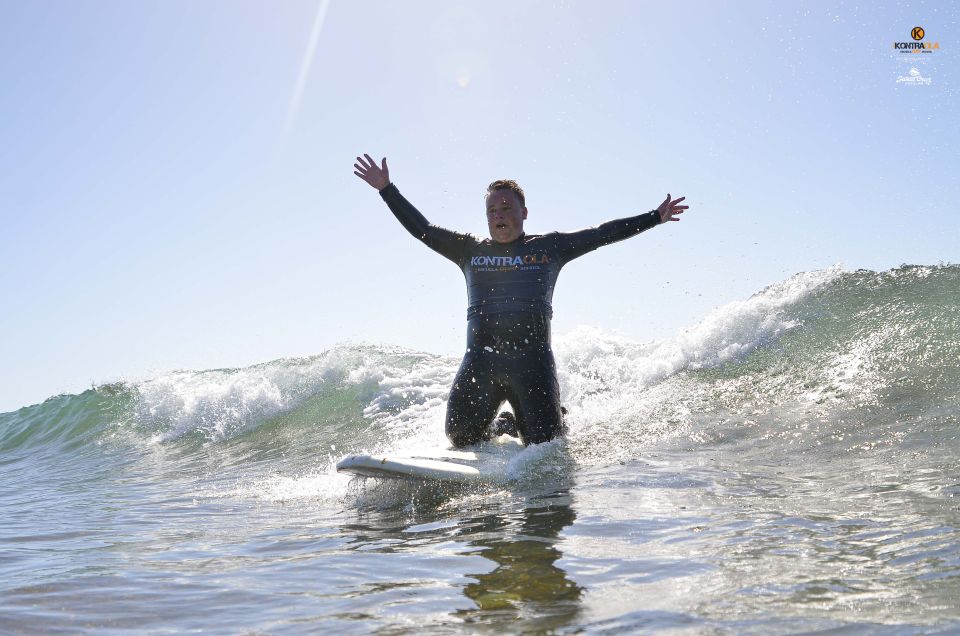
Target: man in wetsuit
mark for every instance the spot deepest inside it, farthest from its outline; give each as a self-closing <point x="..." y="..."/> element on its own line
<point x="510" y="279"/>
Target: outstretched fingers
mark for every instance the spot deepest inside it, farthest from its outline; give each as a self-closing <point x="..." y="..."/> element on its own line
<point x="670" y="208"/>
<point x="367" y="169"/>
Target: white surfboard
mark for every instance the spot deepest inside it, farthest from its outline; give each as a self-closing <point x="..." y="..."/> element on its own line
<point x="475" y="463"/>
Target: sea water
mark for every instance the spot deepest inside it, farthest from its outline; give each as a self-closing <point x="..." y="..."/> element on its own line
<point x="790" y="464"/>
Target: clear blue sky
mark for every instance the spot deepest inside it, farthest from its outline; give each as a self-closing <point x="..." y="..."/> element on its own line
<point x="174" y="195"/>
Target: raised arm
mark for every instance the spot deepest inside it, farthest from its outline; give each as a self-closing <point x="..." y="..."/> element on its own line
<point x="451" y="244"/>
<point x="578" y="243"/>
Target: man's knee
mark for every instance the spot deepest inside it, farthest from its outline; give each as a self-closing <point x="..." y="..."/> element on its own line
<point x="468" y="419"/>
<point x="463" y="433"/>
<point x="542" y="426"/>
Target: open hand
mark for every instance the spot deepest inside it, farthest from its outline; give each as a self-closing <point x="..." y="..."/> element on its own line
<point x="369" y="171"/>
<point x="669" y="209"/>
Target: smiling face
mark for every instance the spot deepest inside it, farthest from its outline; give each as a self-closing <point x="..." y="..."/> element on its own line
<point x="505" y="216"/>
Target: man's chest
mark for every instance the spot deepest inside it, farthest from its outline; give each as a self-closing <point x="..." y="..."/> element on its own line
<point x="490" y="260"/>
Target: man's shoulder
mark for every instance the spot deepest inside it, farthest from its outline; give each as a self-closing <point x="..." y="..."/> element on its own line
<point x="473" y="239"/>
<point x="465" y="237"/>
<point x="550" y="238"/>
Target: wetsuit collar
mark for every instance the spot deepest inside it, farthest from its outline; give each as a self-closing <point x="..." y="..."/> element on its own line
<point x="522" y="236"/>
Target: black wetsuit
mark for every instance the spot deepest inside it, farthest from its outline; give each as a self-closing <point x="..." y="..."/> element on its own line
<point x="510" y="289"/>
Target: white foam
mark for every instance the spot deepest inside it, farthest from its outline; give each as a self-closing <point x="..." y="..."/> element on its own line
<point x="738" y="328"/>
<point x="213" y="402"/>
<point x="219" y="404"/>
<point x="612" y="387"/>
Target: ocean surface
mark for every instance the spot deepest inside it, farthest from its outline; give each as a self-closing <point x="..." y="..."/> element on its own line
<point x="790" y="464"/>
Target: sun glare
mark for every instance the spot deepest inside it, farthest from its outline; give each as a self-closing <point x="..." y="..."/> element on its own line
<point x="305" y="65"/>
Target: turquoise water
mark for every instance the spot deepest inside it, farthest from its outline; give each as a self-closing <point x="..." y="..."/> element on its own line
<point x="787" y="465"/>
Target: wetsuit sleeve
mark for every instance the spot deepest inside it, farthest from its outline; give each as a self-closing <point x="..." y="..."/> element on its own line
<point x="448" y="243"/>
<point x="574" y="244"/>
